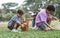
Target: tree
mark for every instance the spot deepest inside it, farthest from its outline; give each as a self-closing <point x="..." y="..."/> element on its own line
<point x="6" y="13"/>
<point x="7" y="6"/>
<point x="33" y="5"/>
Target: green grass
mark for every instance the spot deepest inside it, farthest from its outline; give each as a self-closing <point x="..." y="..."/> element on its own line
<point x="6" y="33"/>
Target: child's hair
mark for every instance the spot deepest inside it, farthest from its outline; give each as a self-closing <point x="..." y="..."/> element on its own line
<point x="20" y="12"/>
<point x="50" y="8"/>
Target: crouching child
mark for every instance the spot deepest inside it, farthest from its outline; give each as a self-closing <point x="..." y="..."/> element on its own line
<point x="15" y="21"/>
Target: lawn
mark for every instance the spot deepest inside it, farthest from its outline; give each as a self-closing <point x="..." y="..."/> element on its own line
<point x="6" y="33"/>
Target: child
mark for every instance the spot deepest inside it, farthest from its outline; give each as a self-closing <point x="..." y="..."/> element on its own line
<point x="33" y="20"/>
<point x="15" y="21"/>
<point x="44" y="18"/>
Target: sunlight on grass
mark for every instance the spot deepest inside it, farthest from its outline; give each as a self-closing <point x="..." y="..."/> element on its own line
<point x="6" y="33"/>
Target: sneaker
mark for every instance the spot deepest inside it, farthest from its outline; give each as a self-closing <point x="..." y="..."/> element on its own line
<point x="14" y="30"/>
<point x="37" y="29"/>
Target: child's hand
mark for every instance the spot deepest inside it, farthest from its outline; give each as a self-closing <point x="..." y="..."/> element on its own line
<point x="55" y="18"/>
<point x="21" y="22"/>
<point x="59" y="20"/>
<point x="52" y="28"/>
<point x="24" y="23"/>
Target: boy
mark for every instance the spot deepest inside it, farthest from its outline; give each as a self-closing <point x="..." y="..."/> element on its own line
<point x="15" y="21"/>
<point x="44" y="18"/>
<point x="33" y="21"/>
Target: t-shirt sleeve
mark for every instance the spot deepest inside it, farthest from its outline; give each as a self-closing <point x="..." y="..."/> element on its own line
<point x="42" y="17"/>
<point x="16" y="19"/>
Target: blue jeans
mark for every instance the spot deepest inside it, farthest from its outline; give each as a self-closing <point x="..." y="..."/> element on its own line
<point x="33" y="22"/>
<point x="41" y="26"/>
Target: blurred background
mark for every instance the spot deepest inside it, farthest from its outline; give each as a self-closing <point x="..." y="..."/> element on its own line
<point x="8" y="8"/>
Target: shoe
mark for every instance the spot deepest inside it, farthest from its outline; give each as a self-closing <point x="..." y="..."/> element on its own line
<point x="37" y="29"/>
<point x="14" y="30"/>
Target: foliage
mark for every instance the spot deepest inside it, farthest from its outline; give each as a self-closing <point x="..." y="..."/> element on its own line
<point x="7" y="6"/>
<point x="29" y="5"/>
<point x="6" y="16"/>
<point x="36" y="5"/>
<point x="6" y="13"/>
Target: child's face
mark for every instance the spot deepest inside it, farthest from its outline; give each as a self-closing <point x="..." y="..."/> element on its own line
<point x="49" y="12"/>
<point x="20" y="15"/>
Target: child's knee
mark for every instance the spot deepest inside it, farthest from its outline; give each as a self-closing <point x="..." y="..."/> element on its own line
<point x="46" y="29"/>
<point x="15" y="23"/>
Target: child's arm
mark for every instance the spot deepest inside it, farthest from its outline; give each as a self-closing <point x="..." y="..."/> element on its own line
<point x="54" y="17"/>
<point x="18" y="22"/>
<point x="48" y="25"/>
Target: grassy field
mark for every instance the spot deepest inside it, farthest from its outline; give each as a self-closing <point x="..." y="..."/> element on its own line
<point x="6" y="33"/>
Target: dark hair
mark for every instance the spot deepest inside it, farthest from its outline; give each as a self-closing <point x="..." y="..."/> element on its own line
<point x="50" y="8"/>
<point x="20" y="12"/>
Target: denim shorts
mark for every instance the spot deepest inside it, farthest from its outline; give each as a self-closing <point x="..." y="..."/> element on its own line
<point x="41" y="26"/>
<point x="33" y="22"/>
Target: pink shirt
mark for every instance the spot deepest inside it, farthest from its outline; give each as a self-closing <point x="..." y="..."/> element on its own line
<point x="41" y="16"/>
